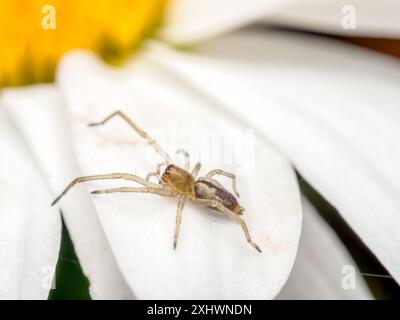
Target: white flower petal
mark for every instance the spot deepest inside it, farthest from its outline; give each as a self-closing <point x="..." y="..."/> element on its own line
<point x="39" y="114"/>
<point x="30" y="230"/>
<point x="323" y="268"/>
<point x="331" y="108"/>
<point x="189" y="21"/>
<point x="371" y="18"/>
<point x="212" y="259"/>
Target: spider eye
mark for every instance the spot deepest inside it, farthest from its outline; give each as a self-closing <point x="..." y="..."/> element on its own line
<point x="167" y="170"/>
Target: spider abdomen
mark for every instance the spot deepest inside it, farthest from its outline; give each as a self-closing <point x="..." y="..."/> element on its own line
<point x="206" y="188"/>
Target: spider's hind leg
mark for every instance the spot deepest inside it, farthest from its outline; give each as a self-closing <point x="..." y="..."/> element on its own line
<point x="225" y="174"/>
<point x="215" y="204"/>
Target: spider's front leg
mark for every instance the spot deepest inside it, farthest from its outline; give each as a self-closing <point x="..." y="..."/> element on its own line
<point x="187" y="158"/>
<point x="159" y="191"/>
<point x="156" y="173"/>
<point x="125" y="176"/>
<point x="220" y="207"/>
<point x="196" y="169"/>
<point x="179" y="209"/>
<point x="141" y="132"/>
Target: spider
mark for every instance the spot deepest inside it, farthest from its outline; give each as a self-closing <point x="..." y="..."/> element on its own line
<point x="175" y="182"/>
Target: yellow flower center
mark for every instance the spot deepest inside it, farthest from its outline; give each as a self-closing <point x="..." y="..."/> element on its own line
<point x="35" y="33"/>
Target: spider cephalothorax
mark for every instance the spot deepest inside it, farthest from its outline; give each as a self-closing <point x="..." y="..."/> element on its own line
<point x="179" y="180"/>
<point x="176" y="182"/>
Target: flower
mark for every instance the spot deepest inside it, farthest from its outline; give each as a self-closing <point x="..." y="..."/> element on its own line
<point x="325" y="108"/>
<point x="34" y="45"/>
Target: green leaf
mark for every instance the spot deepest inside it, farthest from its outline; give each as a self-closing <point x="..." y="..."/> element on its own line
<point x="70" y="282"/>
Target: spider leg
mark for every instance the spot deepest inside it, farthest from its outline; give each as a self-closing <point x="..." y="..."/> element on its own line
<point x="142" y="133"/>
<point x="159" y="191"/>
<point x="159" y="167"/>
<point x="187" y="158"/>
<point x="225" y="174"/>
<point x="157" y="173"/>
<point x="125" y="176"/>
<point x="179" y="209"/>
<point x="196" y="169"/>
<point x="231" y="214"/>
<point x="153" y="174"/>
